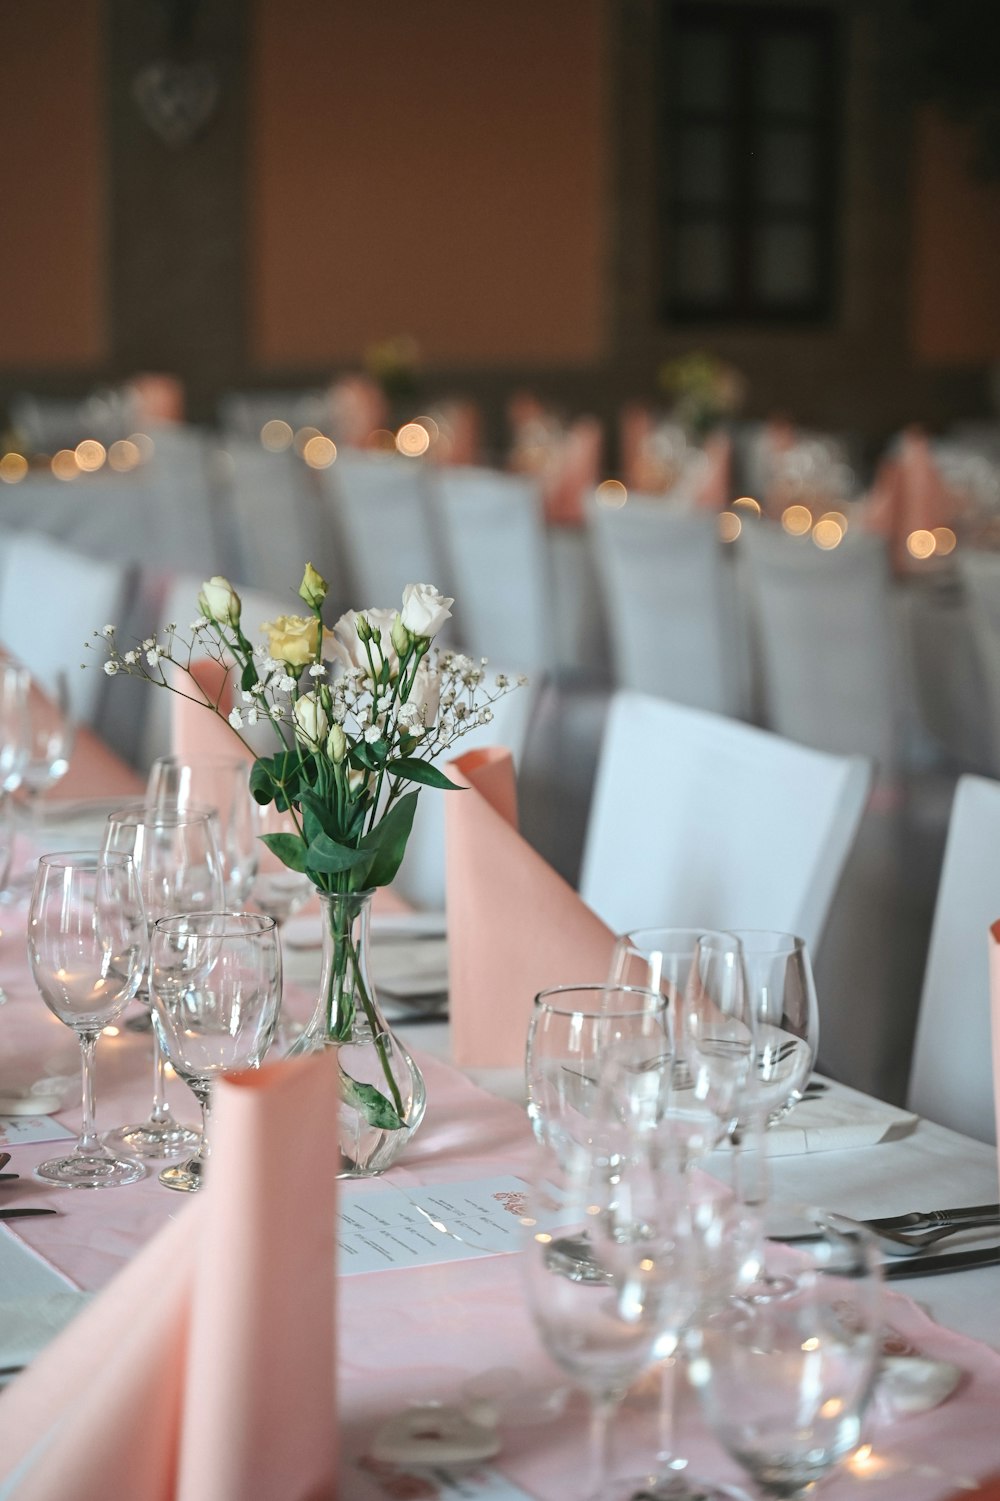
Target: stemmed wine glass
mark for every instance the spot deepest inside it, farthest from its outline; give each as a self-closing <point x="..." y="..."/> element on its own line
<point x="52" y="735"/>
<point x="215" y="984"/>
<point x="88" y="949"/>
<point x="783" y="998"/>
<point x="177" y="857"/>
<point x="688" y="1106"/>
<point x="223" y="784"/>
<point x="571" y="1030"/>
<point x="609" y="1271"/>
<point x="784" y="1381"/>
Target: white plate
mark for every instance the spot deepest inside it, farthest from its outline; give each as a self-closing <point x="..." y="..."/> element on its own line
<point x="410" y="969"/>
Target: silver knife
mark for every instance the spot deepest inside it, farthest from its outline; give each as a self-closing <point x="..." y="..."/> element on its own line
<point x="927" y="1219"/>
<point x="950" y="1261"/>
<point x="24" y="1214"/>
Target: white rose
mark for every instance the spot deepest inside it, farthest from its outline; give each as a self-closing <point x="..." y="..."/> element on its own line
<point x="424" y="610"/>
<point x="311" y="722"/>
<point x="348" y="647"/>
<point x="219" y="601"/>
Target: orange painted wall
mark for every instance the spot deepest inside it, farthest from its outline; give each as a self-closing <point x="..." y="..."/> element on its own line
<point x="956" y="272"/>
<point x="53" y="187"/>
<point x="435" y="169"/>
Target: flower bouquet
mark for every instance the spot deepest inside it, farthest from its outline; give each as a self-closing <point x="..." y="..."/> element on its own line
<point x="704" y="391"/>
<point x="360" y="713"/>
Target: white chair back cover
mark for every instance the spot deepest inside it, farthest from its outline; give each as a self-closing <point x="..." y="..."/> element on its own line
<point x="421" y="877"/>
<point x="670" y="604"/>
<point x="243" y="413"/>
<point x="830" y="657"/>
<point x="951" y="1080"/>
<point x="52" y="600"/>
<point x="278" y="521"/>
<point x="381" y="509"/>
<point x="494" y="536"/>
<point x="980" y="574"/>
<point x="698" y="819"/>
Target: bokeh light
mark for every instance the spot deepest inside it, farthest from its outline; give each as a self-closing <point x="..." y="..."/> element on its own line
<point x="90" y="455"/>
<point x="144" y="444"/>
<point x="124" y="456"/>
<point x="13" y="468"/>
<point x="945" y="540"/>
<point x="827" y="533"/>
<point x="730" y="526"/>
<point x="64" y="465"/>
<point x="747" y="503"/>
<point x="382" y="440"/>
<point x="612" y="494"/>
<point x="276" y="435"/>
<point x="413" y="440"/>
<point x="303" y="436"/>
<point x="797" y="520"/>
<point x="319" y="452"/>
<point x="921" y="544"/>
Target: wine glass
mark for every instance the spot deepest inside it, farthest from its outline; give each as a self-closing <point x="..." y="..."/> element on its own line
<point x="177" y="857"/>
<point x="784" y="1380"/>
<point x="215" y="985"/>
<point x="88" y="947"/>
<point x="572" y="1028"/>
<point x="52" y="734"/>
<point x="687" y="1106"/>
<point x="15" y="729"/>
<point x="609" y="1272"/>
<point x="783" y="997"/>
<point x="223" y="784"/>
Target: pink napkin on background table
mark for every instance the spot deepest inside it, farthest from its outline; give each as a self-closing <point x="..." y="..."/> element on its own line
<point x="206" y="1370"/>
<point x="715" y="487"/>
<point x="514" y="925"/>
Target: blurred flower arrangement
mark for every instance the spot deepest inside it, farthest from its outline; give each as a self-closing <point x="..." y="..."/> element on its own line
<point x="360" y="713"/>
<point x="703" y="390"/>
<point x="395" y="364"/>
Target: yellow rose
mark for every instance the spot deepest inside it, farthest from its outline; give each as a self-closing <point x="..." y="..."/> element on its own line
<point x="292" y="639"/>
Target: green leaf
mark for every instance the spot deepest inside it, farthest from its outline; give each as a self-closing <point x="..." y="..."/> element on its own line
<point x="377" y="1110"/>
<point x="330" y="858"/>
<point x="261" y="784"/>
<point x="388" y="840"/>
<point x="319" y="816"/>
<point x="412" y="769"/>
<point x="248" y="678"/>
<point x="289" y="848"/>
<point x="361" y="757"/>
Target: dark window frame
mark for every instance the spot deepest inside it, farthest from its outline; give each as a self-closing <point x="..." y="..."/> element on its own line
<point x="749" y="24"/>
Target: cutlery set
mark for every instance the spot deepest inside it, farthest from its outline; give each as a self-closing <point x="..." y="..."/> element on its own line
<point x="27" y="1213"/>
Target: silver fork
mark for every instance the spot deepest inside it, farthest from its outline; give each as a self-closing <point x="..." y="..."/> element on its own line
<point x="911" y="1243"/>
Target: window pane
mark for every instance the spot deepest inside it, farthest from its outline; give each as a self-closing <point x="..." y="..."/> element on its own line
<point x="788" y="73"/>
<point x="702" y="167"/>
<point x="786" y="168"/>
<point x="702" y="70"/>
<point x="785" y="270"/>
<point x="702" y="261"/>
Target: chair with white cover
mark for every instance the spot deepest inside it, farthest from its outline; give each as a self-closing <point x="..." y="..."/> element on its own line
<point x="278" y="520"/>
<point x="494" y="536"/>
<point x="244" y="413"/>
<point x="980" y="575"/>
<point x="697" y="819"/>
<point x="381" y="508"/>
<point x="421" y="877"/>
<point x="52" y="600"/>
<point x="951" y="1080"/>
<point x="671" y="606"/>
<point x="831" y="660"/>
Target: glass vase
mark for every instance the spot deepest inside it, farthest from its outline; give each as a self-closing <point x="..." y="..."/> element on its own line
<point x="382" y="1095"/>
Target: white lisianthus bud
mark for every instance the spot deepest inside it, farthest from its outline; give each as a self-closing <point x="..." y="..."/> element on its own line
<point x="424" y="610"/>
<point x="313" y="587"/>
<point x="399" y="635"/>
<point x="219" y="601"/>
<point x="311" y="723"/>
<point x="353" y="630"/>
<point x="336" y="744"/>
<point x="363" y="629"/>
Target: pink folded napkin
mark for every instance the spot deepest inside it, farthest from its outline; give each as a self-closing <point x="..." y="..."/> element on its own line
<point x="206" y="1370"/>
<point x="715" y="486"/>
<point x="514" y="925"/>
<point x="995" y="1014"/>
<point x="195" y="729"/>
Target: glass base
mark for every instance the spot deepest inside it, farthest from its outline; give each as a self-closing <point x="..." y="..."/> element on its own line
<point x="154" y="1138"/>
<point x="185" y="1177"/>
<point x="678" y="1486"/>
<point x="90" y="1170"/>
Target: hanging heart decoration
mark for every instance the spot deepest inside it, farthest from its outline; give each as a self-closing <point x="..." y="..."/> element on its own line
<point x="177" y="100"/>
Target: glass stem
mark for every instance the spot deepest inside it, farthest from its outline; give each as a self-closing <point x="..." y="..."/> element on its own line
<point x="202" y="1092"/>
<point x="601" y="1409"/>
<point x="160" y="1114"/>
<point x="88" y="1142"/>
<point x="666" y="1456"/>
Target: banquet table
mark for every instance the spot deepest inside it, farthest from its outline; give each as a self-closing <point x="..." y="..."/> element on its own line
<point x="458" y="1329"/>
